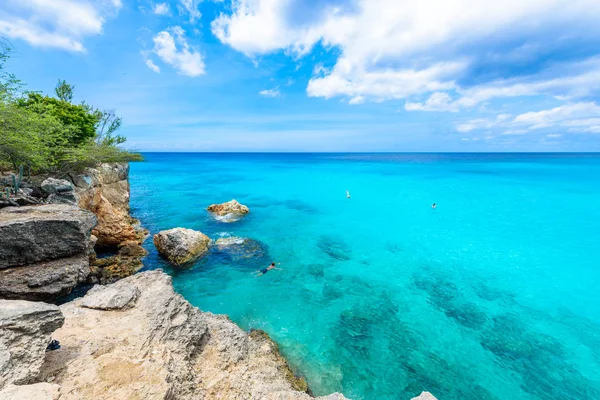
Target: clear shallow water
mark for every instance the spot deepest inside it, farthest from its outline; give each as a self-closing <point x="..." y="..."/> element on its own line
<point x="493" y="295"/>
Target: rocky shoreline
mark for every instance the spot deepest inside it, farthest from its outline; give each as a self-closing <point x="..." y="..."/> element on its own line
<point x="131" y="336"/>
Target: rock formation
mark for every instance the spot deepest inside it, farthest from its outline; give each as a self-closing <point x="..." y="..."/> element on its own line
<point x="44" y="250"/>
<point x="137" y="338"/>
<point x="59" y="191"/>
<point x="105" y="192"/>
<point x="180" y="245"/>
<point x="230" y="211"/>
<point x="25" y="329"/>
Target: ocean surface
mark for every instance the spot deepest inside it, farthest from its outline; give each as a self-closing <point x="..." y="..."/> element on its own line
<point x="495" y="294"/>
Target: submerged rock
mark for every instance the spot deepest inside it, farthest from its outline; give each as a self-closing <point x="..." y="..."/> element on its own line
<point x="162" y="347"/>
<point x="230" y="211"/>
<point x="180" y="245"/>
<point x="25" y="329"/>
<point x="243" y="252"/>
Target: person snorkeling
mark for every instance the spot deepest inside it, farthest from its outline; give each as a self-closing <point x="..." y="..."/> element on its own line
<point x="433" y="206"/>
<point x="265" y="270"/>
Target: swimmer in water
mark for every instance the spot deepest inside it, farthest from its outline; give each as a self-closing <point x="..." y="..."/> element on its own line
<point x="347" y="194"/>
<point x="265" y="270"/>
<point x="433" y="206"/>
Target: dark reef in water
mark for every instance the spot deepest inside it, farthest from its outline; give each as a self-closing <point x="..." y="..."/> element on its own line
<point x="542" y="361"/>
<point x="334" y="247"/>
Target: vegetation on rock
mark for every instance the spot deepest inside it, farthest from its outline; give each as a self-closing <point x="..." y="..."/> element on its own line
<point x="52" y="134"/>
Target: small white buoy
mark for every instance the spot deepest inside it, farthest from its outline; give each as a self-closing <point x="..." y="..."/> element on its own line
<point x="347" y="194"/>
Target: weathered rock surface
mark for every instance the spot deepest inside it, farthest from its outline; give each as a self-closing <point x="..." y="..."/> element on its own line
<point x="38" y="233"/>
<point x="424" y="396"/>
<point x="114" y="297"/>
<point x="161" y="347"/>
<point x="35" y="391"/>
<point x="180" y="245"/>
<point x="45" y="280"/>
<point x="230" y="211"/>
<point x="105" y="192"/>
<point x="25" y="331"/>
<point x="60" y="191"/>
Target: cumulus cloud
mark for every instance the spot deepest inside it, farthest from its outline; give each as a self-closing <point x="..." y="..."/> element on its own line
<point x="161" y="9"/>
<point x="396" y="49"/>
<point x="62" y="24"/>
<point x="173" y="49"/>
<point x="574" y="117"/>
<point x="270" y="92"/>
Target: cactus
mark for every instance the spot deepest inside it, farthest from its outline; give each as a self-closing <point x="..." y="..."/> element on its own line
<point x="17" y="182"/>
<point x="7" y="194"/>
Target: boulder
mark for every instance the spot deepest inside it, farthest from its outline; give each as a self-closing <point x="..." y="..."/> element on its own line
<point x="230" y="211"/>
<point x="25" y="331"/>
<point x="44" y="280"/>
<point x="161" y="347"/>
<point x="180" y="245"/>
<point x="36" y="391"/>
<point x="33" y="234"/>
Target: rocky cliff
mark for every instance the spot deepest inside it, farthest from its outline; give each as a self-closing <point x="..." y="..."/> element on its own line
<point x="48" y="249"/>
<point x="138" y="339"/>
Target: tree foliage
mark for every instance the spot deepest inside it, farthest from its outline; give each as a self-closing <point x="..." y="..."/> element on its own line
<point x="52" y="134"/>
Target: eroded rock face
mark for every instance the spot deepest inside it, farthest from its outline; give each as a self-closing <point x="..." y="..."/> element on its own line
<point x="159" y="346"/>
<point x="230" y="211"/>
<point x="37" y="233"/>
<point x="105" y="192"/>
<point x="180" y="245"/>
<point x="45" y="280"/>
<point x="25" y="331"/>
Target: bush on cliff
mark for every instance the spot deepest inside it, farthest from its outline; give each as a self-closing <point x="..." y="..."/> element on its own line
<point x="52" y="134"/>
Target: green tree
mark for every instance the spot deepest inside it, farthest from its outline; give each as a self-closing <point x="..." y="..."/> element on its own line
<point x="77" y="116"/>
<point x="64" y="91"/>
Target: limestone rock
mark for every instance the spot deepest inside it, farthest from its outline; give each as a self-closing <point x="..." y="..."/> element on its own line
<point x="162" y="347"/>
<point x="25" y="331"/>
<point x="114" y="297"/>
<point x="113" y="226"/>
<point x="180" y="245"/>
<point x="36" y="391"/>
<point x="44" y="280"/>
<point x="37" y="233"/>
<point x="230" y="211"/>
<point x="424" y="396"/>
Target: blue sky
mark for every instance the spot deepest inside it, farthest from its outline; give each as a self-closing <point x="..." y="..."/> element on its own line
<point x="323" y="75"/>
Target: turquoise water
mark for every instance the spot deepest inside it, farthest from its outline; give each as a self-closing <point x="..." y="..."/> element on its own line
<point x="492" y="295"/>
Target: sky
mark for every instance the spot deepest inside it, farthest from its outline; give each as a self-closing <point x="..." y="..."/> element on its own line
<point x="322" y="75"/>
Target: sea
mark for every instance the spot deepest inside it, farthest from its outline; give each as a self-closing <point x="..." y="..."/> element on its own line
<point x="492" y="294"/>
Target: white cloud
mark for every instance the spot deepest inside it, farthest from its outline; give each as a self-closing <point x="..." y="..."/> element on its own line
<point x="184" y="59"/>
<point x="394" y="49"/>
<point x="161" y="9"/>
<point x="270" y="92"/>
<point x="356" y="100"/>
<point x="573" y="117"/>
<point x="152" y="66"/>
<point x="190" y="7"/>
<point x="438" y="101"/>
<point x="62" y="24"/>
